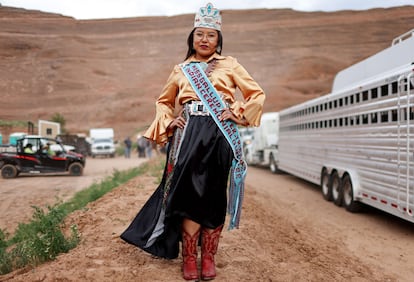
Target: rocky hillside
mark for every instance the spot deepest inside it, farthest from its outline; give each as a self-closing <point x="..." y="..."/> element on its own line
<point x="108" y="73"/>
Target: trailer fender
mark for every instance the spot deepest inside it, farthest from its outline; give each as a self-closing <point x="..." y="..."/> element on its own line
<point x="350" y="191"/>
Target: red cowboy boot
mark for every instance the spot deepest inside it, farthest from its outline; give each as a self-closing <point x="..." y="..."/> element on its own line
<point x="209" y="243"/>
<point x="189" y="253"/>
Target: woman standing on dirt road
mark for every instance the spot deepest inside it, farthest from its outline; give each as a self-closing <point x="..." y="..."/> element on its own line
<point x="204" y="147"/>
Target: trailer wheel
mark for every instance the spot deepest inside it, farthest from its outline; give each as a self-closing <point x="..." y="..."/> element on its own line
<point x="325" y="188"/>
<point x="335" y="184"/>
<point x="9" y="171"/>
<point x="75" y="169"/>
<point x="348" y="195"/>
<point x="272" y="164"/>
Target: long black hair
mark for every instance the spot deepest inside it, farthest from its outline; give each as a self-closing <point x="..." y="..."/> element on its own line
<point x="190" y="41"/>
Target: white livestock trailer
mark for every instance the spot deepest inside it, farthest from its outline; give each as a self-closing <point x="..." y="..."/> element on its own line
<point x="357" y="142"/>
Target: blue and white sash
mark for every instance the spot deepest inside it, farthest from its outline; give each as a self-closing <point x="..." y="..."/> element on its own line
<point x="212" y="101"/>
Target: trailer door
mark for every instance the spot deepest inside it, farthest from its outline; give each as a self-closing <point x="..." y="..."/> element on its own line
<point x="405" y="143"/>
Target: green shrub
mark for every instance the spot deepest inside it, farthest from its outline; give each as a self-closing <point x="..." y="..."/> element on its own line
<point x="42" y="238"/>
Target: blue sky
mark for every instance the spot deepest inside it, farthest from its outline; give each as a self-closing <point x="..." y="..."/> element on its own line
<point x="99" y="9"/>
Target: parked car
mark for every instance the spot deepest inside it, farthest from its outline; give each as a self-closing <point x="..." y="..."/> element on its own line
<point x="102" y="142"/>
<point x="40" y="155"/>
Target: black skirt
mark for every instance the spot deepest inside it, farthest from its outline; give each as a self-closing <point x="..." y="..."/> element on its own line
<point x="196" y="188"/>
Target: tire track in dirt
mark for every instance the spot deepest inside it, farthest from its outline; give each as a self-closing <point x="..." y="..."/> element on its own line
<point x="18" y="195"/>
<point x="280" y="239"/>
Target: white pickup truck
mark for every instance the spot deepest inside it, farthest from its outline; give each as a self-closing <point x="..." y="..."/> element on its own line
<point x="102" y="142"/>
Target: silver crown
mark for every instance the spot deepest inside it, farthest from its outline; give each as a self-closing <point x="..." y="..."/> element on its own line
<point x="208" y="17"/>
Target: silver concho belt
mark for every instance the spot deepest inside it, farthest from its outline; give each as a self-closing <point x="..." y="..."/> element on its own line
<point x="196" y="108"/>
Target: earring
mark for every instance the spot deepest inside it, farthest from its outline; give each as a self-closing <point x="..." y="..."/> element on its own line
<point x="218" y="49"/>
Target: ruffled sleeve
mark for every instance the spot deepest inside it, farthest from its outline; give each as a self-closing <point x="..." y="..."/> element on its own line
<point x="253" y="94"/>
<point x="165" y="109"/>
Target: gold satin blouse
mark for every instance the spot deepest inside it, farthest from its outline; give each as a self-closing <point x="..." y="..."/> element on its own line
<point x="227" y="75"/>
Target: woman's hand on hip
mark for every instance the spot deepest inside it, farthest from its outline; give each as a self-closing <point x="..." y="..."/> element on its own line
<point x="177" y="122"/>
<point x="226" y="114"/>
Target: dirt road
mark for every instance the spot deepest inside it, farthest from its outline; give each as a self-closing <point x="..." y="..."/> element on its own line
<point x="18" y="195"/>
<point x="287" y="233"/>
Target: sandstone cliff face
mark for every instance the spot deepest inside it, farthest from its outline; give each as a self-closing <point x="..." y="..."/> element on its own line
<point x="108" y="73"/>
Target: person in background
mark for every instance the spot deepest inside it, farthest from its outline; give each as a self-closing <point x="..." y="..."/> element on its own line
<point x="141" y="146"/>
<point x="190" y="204"/>
<point x="28" y="149"/>
<point x="128" y="146"/>
<point x="148" y="149"/>
<point x="47" y="150"/>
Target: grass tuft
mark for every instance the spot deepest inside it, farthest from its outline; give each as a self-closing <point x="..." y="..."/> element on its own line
<point x="42" y="239"/>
